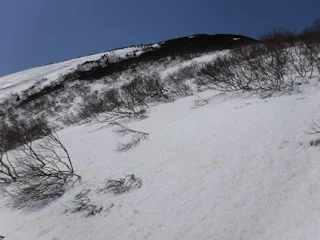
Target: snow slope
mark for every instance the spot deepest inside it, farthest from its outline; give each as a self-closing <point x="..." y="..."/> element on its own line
<point x="238" y="168"/>
<point x="20" y="81"/>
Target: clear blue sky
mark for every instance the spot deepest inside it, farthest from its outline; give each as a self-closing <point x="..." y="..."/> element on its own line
<point x="37" y="32"/>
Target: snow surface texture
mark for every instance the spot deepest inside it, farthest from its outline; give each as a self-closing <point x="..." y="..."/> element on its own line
<point x="237" y="168"/>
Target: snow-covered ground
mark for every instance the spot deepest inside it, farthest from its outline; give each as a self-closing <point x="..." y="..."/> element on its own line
<point x="21" y="81"/>
<point x="238" y="168"/>
<point x="197" y="60"/>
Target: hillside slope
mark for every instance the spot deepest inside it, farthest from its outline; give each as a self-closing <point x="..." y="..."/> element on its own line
<point x="191" y="162"/>
<point x="237" y="168"/>
<point x="17" y="82"/>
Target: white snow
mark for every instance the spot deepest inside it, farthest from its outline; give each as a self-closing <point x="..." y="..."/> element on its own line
<point x="202" y="59"/>
<point x="20" y="81"/>
<point x="238" y="168"/>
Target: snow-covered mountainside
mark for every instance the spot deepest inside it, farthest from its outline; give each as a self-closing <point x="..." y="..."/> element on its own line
<point x="237" y="168"/>
<point x="18" y="82"/>
<point x="207" y="164"/>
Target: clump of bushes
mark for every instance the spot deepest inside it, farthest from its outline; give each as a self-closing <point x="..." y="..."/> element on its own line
<point x="128" y="100"/>
<point x="35" y="166"/>
<point x="129" y="183"/>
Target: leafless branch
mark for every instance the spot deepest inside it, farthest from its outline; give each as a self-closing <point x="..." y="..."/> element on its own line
<point x="122" y="185"/>
<point x="135" y="136"/>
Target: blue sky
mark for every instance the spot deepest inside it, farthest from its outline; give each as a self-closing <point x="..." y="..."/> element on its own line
<point x="37" y="32"/>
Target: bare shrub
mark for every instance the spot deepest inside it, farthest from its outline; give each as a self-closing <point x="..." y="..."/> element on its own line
<point x="111" y="102"/>
<point x="141" y="90"/>
<point x="302" y="59"/>
<point x="314" y="127"/>
<point x="312" y="52"/>
<point x="279" y="36"/>
<point x="274" y="66"/>
<point x="311" y="33"/>
<point x="45" y="172"/>
<point x="129" y="183"/>
<point x="177" y="82"/>
<point x="219" y="75"/>
<point x="260" y="68"/>
<point x="311" y="39"/>
<point x="156" y="89"/>
<point x="134" y="95"/>
<point x="16" y="131"/>
<point x="199" y="102"/>
<point x="315" y="142"/>
<point x="92" y="106"/>
<point x="188" y="72"/>
<point x="304" y="47"/>
<point x="69" y="119"/>
<point x="135" y="136"/>
<point x="178" y="86"/>
<point x="112" y="99"/>
<point x="83" y="204"/>
<point x="67" y="98"/>
<point x="237" y="70"/>
<point x="8" y="173"/>
<point x="129" y="100"/>
<point x="40" y="104"/>
<point x="80" y="88"/>
<point x="277" y="60"/>
<point x="7" y="170"/>
<point x="134" y="141"/>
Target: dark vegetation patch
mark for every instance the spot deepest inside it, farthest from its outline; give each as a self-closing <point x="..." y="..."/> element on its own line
<point x="45" y="91"/>
<point x="180" y="47"/>
<point x="117" y="187"/>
